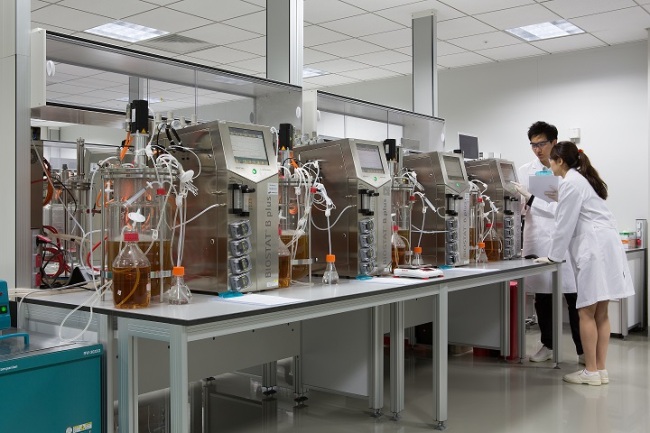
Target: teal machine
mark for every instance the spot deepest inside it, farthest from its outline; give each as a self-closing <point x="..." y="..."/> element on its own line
<point x="49" y="386"/>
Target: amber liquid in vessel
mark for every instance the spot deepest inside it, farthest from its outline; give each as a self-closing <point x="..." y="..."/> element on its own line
<point x="492" y="249"/>
<point x="284" y="279"/>
<point x="131" y="288"/>
<point x="302" y="253"/>
<point x="113" y="249"/>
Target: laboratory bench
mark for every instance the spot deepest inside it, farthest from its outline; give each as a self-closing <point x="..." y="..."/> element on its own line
<point x="255" y="329"/>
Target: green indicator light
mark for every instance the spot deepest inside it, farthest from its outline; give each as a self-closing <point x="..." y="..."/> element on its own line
<point x="254" y="171"/>
<point x="3" y="309"/>
<point x="457" y="184"/>
<point x="375" y="178"/>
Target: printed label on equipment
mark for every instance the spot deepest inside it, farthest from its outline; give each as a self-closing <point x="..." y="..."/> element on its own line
<point x="272" y="284"/>
<point x="81" y="427"/>
<point x="273" y="188"/>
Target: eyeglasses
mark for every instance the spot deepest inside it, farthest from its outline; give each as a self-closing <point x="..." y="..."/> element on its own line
<point x="539" y="144"/>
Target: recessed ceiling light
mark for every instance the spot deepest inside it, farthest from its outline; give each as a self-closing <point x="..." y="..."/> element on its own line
<point x="553" y="29"/>
<point x="311" y="72"/>
<point x="127" y="32"/>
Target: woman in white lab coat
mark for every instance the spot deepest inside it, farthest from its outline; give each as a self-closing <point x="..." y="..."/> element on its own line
<point x="586" y="228"/>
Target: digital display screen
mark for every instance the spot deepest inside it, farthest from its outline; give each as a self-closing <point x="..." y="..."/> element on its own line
<point x="453" y="167"/>
<point x="508" y="172"/>
<point x="248" y="146"/>
<point x="370" y="158"/>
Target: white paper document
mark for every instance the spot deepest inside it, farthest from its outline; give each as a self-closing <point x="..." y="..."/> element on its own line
<point x="539" y="185"/>
<point x="255" y="299"/>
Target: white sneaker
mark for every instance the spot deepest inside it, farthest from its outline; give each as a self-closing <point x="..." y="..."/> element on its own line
<point x="581" y="359"/>
<point x="543" y="354"/>
<point x="604" y="377"/>
<point x="582" y="377"/>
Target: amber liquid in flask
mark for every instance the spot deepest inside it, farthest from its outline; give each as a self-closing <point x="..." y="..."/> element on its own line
<point x="131" y="287"/>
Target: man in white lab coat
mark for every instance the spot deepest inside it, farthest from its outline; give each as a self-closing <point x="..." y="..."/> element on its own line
<point x="538" y="227"/>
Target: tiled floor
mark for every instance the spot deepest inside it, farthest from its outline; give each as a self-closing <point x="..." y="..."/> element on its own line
<point x="485" y="395"/>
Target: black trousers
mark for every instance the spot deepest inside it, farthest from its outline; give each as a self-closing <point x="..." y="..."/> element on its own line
<point x="544" y="310"/>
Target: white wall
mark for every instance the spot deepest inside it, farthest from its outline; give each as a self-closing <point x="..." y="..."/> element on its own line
<point x="394" y="92"/>
<point x="602" y="91"/>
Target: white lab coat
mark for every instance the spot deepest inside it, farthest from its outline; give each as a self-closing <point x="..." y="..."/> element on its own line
<point x="586" y="229"/>
<point x="538" y="228"/>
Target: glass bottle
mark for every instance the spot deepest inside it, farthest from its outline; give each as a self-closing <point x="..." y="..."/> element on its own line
<point x="179" y="293"/>
<point x="417" y="257"/>
<point x="284" y="261"/>
<point x="492" y="244"/>
<point x="398" y="249"/>
<point x="330" y="276"/>
<point x="131" y="275"/>
<point x="481" y="256"/>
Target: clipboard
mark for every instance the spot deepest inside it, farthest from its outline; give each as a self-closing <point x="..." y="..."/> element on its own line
<point x="538" y="185"/>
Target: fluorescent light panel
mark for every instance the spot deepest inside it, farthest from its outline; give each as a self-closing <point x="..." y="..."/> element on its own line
<point x="311" y="72"/>
<point x="548" y="30"/>
<point x="127" y="32"/>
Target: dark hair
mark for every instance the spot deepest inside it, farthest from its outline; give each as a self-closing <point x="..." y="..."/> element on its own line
<point x="539" y="128"/>
<point x="576" y="158"/>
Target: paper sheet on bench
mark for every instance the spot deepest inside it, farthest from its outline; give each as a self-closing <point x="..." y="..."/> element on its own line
<point x="255" y="299"/>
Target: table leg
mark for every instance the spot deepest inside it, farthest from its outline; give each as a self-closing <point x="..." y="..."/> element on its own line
<point x="396" y="358"/>
<point x="521" y="319"/>
<point x="128" y="401"/>
<point x="440" y="356"/>
<point x="557" y="315"/>
<point x="505" y="328"/>
<point x="376" y="391"/>
<point x="178" y="381"/>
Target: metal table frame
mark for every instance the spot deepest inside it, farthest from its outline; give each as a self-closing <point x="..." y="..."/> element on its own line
<point x="179" y="325"/>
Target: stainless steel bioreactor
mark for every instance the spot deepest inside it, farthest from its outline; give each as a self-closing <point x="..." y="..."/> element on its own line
<point x="445" y="235"/>
<point x="497" y="174"/>
<point x="356" y="176"/>
<point x="233" y="245"/>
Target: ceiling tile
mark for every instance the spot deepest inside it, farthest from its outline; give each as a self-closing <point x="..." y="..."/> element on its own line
<point x="67" y="18"/>
<point x="620" y="36"/>
<point x="107" y="94"/>
<point x="211" y="10"/>
<point x="60" y="77"/>
<point x="238" y="69"/>
<point x="113" y="77"/>
<point x="511" y="52"/>
<point x="220" y="34"/>
<point x="635" y="17"/>
<point x="68" y="88"/>
<point x="518" y="17"/>
<point x="255" y="22"/>
<point x="95" y="83"/>
<point x="316" y="35"/>
<point x="51" y="28"/>
<point x="313" y="56"/>
<point x="261" y="3"/>
<point x="330" y="80"/>
<point x="351" y="47"/>
<point x="404" y="14"/>
<point x="362" y="25"/>
<point x="444" y="49"/>
<point x="35" y="5"/>
<point x="485" y="41"/>
<point x="569" y="43"/>
<point x="255" y="65"/>
<point x="255" y="46"/>
<point x="370" y="74"/>
<point x="223" y="55"/>
<point x="381" y="58"/>
<point x="401" y="68"/>
<point x="375" y="5"/>
<point x="573" y="8"/>
<point x="472" y="7"/>
<point x="162" y="2"/>
<point x="461" y="27"/>
<point x="394" y="39"/>
<point x="117" y="9"/>
<point x="83" y="100"/>
<point x="319" y="11"/>
<point x="462" y="59"/>
<point x="337" y="65"/>
<point x="168" y="20"/>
